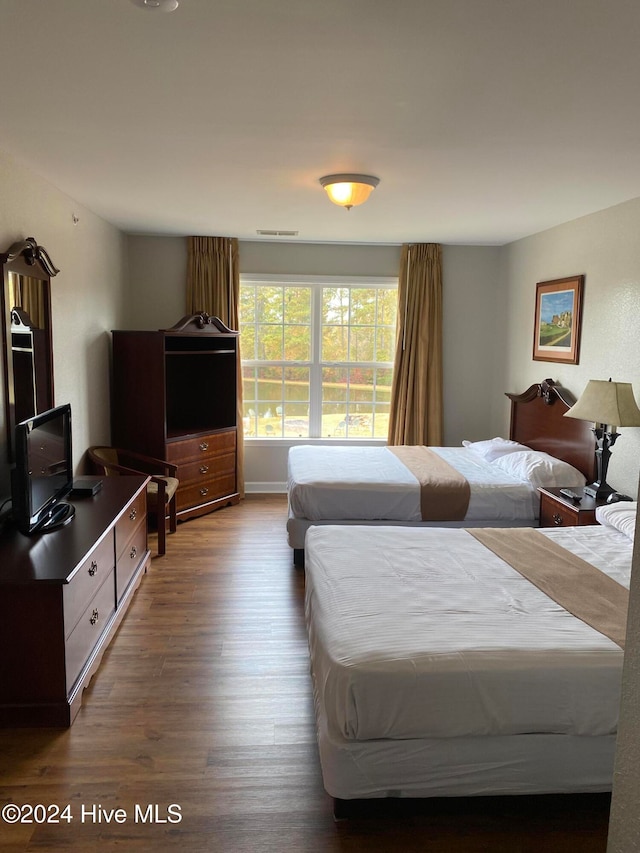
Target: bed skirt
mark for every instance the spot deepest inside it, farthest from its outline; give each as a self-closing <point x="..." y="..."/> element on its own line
<point x="297" y="527"/>
<point x="464" y="767"/>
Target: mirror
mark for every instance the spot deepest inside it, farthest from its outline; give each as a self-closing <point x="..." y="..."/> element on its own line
<point x="26" y="332"/>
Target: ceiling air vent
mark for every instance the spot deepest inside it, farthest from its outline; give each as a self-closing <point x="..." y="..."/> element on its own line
<point x="267" y="232"/>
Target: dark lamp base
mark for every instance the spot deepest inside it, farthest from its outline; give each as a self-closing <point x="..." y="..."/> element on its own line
<point x="598" y="491"/>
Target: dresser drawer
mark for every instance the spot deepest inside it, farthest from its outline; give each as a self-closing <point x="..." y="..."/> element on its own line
<point x="86" y="581"/>
<point x="206" y="469"/>
<point x="557" y="511"/>
<point x="556" y="515"/>
<point x="87" y="632"/>
<point x="208" y="490"/>
<point x="203" y="446"/>
<point x="130" y="521"/>
<point x="129" y="559"/>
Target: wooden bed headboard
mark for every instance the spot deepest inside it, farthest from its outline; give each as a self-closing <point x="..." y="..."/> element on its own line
<point x="537" y="420"/>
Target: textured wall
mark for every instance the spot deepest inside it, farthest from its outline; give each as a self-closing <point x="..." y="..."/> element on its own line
<point x="605" y="248"/>
<point x="157" y="282"/>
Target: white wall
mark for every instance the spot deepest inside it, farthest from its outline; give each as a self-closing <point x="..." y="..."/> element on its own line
<point x="158" y="282"/>
<point x="605" y="248"/>
<point x="471" y="342"/>
<point x="88" y="296"/>
<point x="471" y="291"/>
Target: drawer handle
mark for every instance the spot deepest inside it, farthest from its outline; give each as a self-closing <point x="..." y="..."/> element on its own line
<point x="204" y="469"/>
<point x="94" y="617"/>
<point x="93" y="568"/>
<point x="204" y="445"/>
<point x="557" y="518"/>
<point x="133" y="514"/>
<point x="204" y="491"/>
<point x="133" y="552"/>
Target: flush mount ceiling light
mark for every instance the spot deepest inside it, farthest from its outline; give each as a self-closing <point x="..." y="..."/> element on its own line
<point x="159" y="5"/>
<point x="349" y="190"/>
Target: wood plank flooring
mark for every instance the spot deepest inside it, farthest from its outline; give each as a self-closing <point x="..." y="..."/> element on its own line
<point x="204" y="700"/>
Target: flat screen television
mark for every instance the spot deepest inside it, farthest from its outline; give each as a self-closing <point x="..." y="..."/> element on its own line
<point x="42" y="476"/>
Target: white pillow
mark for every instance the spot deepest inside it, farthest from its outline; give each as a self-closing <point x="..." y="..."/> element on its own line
<point x="621" y="515"/>
<point x="493" y="448"/>
<point x="540" y="469"/>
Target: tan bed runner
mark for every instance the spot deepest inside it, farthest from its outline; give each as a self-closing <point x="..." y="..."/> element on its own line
<point x="571" y="582"/>
<point x="444" y="492"/>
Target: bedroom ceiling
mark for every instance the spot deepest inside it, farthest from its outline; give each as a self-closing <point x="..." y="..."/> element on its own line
<point x="485" y="120"/>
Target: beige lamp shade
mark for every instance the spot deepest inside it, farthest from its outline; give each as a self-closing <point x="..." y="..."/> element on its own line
<point x="610" y="403"/>
<point x="349" y="190"/>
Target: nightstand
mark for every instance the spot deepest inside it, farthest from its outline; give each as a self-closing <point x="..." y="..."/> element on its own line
<point x="558" y="511"/>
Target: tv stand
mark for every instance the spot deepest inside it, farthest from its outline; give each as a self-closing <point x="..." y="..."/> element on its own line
<point x="174" y="396"/>
<point x="62" y="599"/>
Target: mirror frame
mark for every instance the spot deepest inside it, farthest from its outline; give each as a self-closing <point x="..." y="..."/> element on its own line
<point x="26" y="258"/>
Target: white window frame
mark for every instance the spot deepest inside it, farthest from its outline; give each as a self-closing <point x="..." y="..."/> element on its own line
<point x="316" y="282"/>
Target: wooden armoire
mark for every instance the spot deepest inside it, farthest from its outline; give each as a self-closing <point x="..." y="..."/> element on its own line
<point x="174" y="396"/>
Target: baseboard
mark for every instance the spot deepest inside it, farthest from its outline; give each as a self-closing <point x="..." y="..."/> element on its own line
<point x="265" y="488"/>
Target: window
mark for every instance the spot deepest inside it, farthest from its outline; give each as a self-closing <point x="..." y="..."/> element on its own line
<point x="317" y="355"/>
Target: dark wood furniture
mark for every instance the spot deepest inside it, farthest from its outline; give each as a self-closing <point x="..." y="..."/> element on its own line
<point x="161" y="488"/>
<point x="556" y="510"/>
<point x="62" y="597"/>
<point x="27" y="352"/>
<point x="174" y="396"/>
<point x="537" y="420"/>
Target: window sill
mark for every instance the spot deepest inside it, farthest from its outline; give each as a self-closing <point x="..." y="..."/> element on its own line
<point x="260" y="441"/>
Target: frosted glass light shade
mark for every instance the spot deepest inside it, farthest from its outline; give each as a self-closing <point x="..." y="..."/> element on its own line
<point x="348" y="190"/>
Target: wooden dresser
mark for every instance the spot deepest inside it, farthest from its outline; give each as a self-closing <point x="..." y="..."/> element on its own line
<point x="62" y="597"/>
<point x="174" y="396"/>
<point x="206" y="469"/>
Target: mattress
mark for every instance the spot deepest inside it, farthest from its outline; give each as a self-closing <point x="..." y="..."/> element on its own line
<point x="370" y="483"/>
<point x="423" y="633"/>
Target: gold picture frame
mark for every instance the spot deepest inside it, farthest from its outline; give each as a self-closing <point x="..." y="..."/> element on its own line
<point x="558" y="319"/>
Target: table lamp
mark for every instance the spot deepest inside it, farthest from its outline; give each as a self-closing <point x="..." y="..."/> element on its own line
<point x="609" y="405"/>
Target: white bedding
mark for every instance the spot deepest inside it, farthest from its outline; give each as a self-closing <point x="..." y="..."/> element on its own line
<point x="369" y="483"/>
<point x="424" y="633"/>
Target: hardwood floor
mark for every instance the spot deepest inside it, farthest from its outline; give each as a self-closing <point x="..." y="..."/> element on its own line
<point x="204" y="700"/>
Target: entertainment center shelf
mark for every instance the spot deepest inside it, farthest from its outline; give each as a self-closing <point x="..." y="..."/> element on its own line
<point x="63" y="595"/>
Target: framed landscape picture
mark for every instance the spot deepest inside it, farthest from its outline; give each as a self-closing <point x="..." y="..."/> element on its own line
<point x="556" y="334"/>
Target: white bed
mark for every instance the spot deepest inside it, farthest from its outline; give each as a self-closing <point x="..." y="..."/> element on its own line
<point x="371" y="485"/>
<point x="438" y="670"/>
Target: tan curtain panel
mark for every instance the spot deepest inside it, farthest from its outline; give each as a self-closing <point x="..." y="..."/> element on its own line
<point x="416" y="396"/>
<point x="28" y="293"/>
<point x="213" y="286"/>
